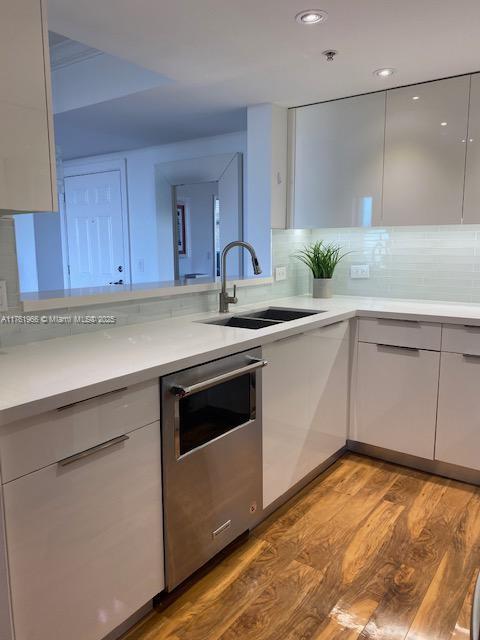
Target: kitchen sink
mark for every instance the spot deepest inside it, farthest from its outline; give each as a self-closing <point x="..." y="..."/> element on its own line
<point x="263" y="318"/>
<point x="243" y="322"/>
<point x="282" y="315"/>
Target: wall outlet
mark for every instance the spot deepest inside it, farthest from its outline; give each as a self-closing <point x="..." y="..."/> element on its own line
<point x="3" y="296"/>
<point x="280" y="273"/>
<point x="360" y="271"/>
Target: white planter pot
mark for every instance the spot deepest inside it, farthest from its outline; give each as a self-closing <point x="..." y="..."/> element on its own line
<point x="322" y="288"/>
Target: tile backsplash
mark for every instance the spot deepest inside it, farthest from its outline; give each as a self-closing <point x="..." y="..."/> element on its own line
<point x="429" y="263"/>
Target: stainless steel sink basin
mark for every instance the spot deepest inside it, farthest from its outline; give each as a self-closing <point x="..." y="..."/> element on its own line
<point x="282" y="315"/>
<point x="263" y="318"/>
<point x="243" y="322"/>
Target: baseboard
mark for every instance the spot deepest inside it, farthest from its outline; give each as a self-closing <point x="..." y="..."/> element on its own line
<point x="452" y="471"/>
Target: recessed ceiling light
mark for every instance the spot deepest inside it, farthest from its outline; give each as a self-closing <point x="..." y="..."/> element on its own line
<point x="384" y="73"/>
<point x="416" y="98"/>
<point x="443" y="124"/>
<point x="311" y="16"/>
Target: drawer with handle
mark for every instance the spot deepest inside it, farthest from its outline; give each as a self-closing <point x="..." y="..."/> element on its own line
<point x="402" y="333"/>
<point x="461" y="338"/>
<point x="30" y="444"/>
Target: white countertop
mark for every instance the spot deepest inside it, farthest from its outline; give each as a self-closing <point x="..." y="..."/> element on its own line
<point x="45" y="375"/>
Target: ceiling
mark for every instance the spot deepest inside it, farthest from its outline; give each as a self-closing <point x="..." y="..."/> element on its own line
<point x="221" y="55"/>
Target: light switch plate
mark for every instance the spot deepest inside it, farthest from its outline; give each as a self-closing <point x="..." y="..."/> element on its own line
<point x="3" y="296"/>
<point x="360" y="271"/>
<point x="280" y="273"/>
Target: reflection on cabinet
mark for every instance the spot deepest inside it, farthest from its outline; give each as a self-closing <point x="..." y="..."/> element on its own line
<point x="338" y="162"/>
<point x="85" y="540"/>
<point x="458" y="422"/>
<point x="27" y="158"/>
<point x="426" y="129"/>
<point x="305" y="396"/>
<point x="396" y="398"/>
<point x="471" y="205"/>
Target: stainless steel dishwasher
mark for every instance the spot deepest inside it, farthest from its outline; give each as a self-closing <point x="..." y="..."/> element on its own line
<point x="212" y="459"/>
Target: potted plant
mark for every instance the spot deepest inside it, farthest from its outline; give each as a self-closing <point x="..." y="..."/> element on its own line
<point x="321" y="259"/>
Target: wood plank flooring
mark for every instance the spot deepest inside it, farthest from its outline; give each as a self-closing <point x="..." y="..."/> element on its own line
<point x="369" y="551"/>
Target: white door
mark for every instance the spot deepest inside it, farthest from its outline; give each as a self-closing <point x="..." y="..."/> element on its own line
<point x="95" y="233"/>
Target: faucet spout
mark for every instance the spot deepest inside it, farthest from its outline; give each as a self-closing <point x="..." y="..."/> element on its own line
<point x="225" y="299"/>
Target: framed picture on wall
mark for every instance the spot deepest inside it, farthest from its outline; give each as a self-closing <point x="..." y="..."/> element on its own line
<point x="181" y="230"/>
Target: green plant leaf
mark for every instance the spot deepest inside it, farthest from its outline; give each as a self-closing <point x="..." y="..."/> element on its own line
<point x="321" y="258"/>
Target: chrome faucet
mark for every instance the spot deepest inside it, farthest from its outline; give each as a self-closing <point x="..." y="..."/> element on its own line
<point x="225" y="299"/>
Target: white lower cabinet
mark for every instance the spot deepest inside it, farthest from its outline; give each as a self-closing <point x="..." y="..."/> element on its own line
<point x="458" y="422"/>
<point x="305" y="399"/>
<point x="85" y="540"/>
<point x="396" y="398"/>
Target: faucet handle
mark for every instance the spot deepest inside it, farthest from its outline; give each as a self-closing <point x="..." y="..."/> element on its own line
<point x="234" y="297"/>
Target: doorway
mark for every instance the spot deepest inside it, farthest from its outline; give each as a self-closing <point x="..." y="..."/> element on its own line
<point x="95" y="230"/>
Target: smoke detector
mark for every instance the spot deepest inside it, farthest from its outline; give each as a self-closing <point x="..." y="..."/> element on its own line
<point x="330" y="54"/>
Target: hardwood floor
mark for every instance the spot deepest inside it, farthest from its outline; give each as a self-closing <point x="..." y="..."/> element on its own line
<point x="369" y="550"/>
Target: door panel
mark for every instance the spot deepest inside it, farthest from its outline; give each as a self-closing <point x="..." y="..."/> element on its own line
<point x="458" y="422"/>
<point x="85" y="541"/>
<point x="95" y="229"/>
<point x="396" y="398"/>
<point x="425" y="132"/>
<point x="471" y="207"/>
<point x="305" y="392"/>
<point x="339" y="163"/>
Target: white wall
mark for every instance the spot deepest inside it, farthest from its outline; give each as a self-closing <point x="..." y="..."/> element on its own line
<point x="39" y="250"/>
<point x="26" y="251"/>
<point x="150" y="242"/>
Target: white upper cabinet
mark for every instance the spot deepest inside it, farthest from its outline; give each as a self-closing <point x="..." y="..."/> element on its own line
<point x="471" y="206"/>
<point x="336" y="163"/>
<point x="426" y="129"/>
<point x="27" y="159"/>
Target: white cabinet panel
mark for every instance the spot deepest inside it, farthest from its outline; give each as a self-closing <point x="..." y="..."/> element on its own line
<point x="403" y="333"/>
<point x="471" y="206"/>
<point x="27" y="161"/>
<point x="305" y="397"/>
<point x="425" y="160"/>
<point x="458" y="422"/>
<point x="459" y="338"/>
<point x="85" y="541"/>
<point x="338" y="162"/>
<point x="396" y="398"/>
<point x="28" y="445"/>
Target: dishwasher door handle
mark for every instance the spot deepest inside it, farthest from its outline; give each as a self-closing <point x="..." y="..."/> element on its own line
<point x="183" y="392"/>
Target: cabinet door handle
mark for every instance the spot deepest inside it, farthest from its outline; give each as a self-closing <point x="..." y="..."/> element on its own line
<point x="92" y="450"/>
<point x="471" y="327"/>
<point x="471" y="356"/>
<point x="395" y="347"/>
<point x="389" y="321"/>
<point x="100" y="395"/>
